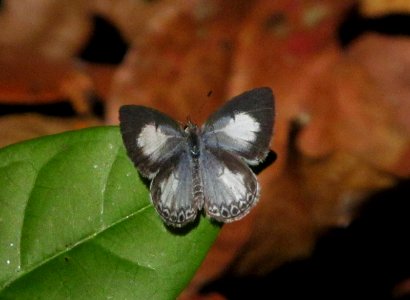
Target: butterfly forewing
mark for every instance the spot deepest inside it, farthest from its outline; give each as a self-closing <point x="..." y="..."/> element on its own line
<point x="150" y="137"/>
<point x="243" y="126"/>
<point x="230" y="187"/>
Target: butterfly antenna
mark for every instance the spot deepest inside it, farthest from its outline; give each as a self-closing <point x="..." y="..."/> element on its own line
<point x="200" y="109"/>
<point x="210" y="92"/>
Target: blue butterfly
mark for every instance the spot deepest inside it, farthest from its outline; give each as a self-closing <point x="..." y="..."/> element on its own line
<point x="193" y="168"/>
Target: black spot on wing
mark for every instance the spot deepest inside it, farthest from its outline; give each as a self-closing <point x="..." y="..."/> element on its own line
<point x="227" y="213"/>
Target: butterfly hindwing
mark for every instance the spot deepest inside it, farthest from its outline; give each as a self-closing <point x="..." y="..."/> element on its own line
<point x="150" y="137"/>
<point x="243" y="126"/>
<point x="230" y="187"/>
<point x="172" y="192"/>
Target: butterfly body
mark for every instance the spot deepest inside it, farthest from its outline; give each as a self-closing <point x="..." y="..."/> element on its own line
<point x="201" y="168"/>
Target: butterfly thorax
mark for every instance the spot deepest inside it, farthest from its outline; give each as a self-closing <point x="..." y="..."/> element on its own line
<point x="192" y="131"/>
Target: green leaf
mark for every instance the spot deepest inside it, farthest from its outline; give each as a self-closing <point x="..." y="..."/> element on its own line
<point x="76" y="222"/>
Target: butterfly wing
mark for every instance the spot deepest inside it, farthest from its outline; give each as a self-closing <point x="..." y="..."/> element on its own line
<point x="218" y="179"/>
<point x="230" y="187"/>
<point x="150" y="137"/>
<point x="172" y="192"/>
<point x="243" y="126"/>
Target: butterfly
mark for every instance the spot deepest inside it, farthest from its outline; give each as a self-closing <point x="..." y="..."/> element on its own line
<point x="206" y="168"/>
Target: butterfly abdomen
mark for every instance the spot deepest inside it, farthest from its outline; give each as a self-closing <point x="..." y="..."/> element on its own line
<point x="197" y="184"/>
<point x="194" y="147"/>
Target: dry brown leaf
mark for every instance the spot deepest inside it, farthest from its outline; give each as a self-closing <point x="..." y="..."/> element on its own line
<point x="386" y="60"/>
<point x="27" y="80"/>
<point x="51" y="29"/>
<point x="184" y="56"/>
<point x="368" y="90"/>
<point x="37" y="52"/>
<point x="374" y="8"/>
<point x="38" y="40"/>
<point x="16" y="128"/>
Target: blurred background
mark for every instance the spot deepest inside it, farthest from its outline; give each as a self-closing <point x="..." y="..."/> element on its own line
<point x="340" y="71"/>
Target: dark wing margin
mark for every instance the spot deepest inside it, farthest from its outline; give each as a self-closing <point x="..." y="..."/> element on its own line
<point x="150" y="137"/>
<point x="243" y="126"/>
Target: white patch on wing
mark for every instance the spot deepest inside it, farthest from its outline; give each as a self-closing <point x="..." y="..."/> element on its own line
<point x="234" y="182"/>
<point x="151" y="139"/>
<point x="242" y="128"/>
<point x="168" y="189"/>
